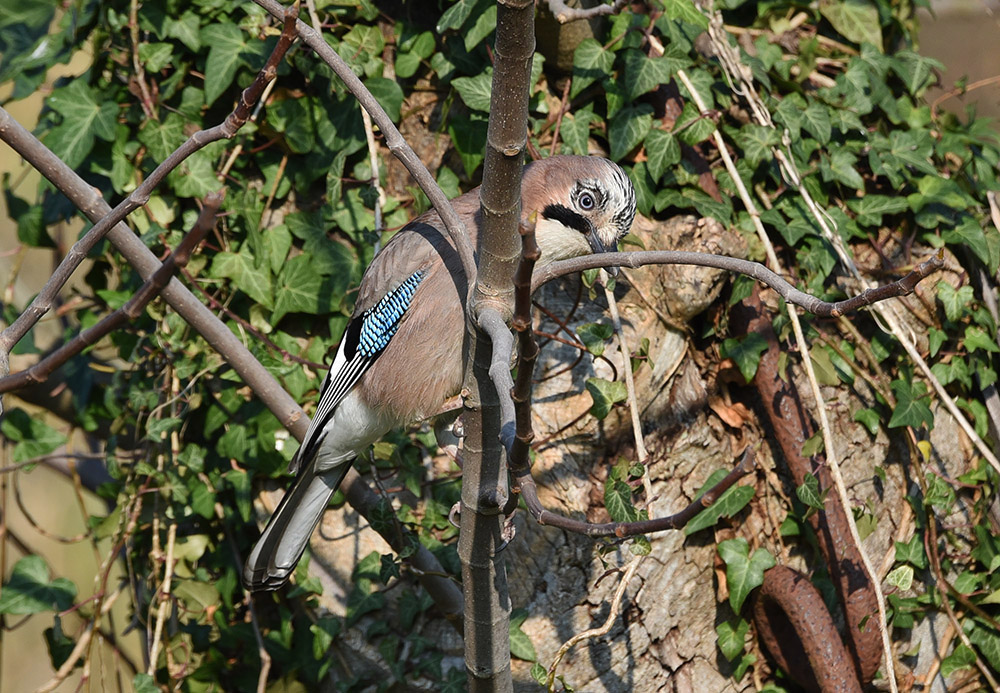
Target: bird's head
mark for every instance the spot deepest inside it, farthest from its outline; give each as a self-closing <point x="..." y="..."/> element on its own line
<point x="584" y="204"/>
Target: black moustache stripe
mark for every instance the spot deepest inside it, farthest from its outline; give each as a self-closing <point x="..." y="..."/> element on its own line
<point x="567" y="217"/>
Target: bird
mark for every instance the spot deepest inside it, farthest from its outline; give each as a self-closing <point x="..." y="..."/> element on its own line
<point x="401" y="355"/>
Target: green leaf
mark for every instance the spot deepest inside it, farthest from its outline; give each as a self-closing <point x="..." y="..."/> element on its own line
<point x="809" y="492"/>
<point x="745" y="352"/>
<point x="910" y="409"/>
<point x="855" y="20"/>
<point x="976" y="338"/>
<point x="226" y="44"/>
<point x="605" y="394"/>
<point x="840" y="167"/>
<point x="324" y="630"/>
<point x="195" y="177"/>
<point x="869" y="418"/>
<point x="475" y="91"/>
<point x="30" y="591"/>
<point x="33" y="436"/>
<point x="732" y="501"/>
<point x="662" y="151"/>
<point x="871" y="208"/>
<point x="242" y="270"/>
<point x="961" y="658"/>
<point x="83" y="119"/>
<point x="901" y="577"/>
<point x="691" y="126"/>
<point x="618" y="500"/>
<point x="732" y="638"/>
<point x="643" y="74"/>
<point x="144" y="683"/>
<point x="743" y="571"/>
<point x="756" y="142"/>
<point x="816" y="119"/>
<point x="163" y="137"/>
<point x="955" y="301"/>
<point x="483" y="26"/>
<point x="970" y="234"/>
<point x="186" y="30"/>
<point x="629" y="128"/>
<point x="155" y="56"/>
<point x="388" y="93"/>
<point x="299" y="290"/>
<point x="520" y="644"/>
<point x="591" y="62"/>
<point x="594" y="336"/>
<point x="685" y="11"/>
<point x="575" y="130"/>
<point x="454" y="17"/>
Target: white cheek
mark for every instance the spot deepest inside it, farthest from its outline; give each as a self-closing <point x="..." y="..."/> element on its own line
<point x="558" y="242"/>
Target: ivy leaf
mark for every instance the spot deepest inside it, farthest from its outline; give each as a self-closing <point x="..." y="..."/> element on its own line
<point x="868" y="418"/>
<point x="163" y="137"/>
<point x="486" y="22"/>
<point x="870" y="208"/>
<point x="756" y="142"/>
<point x="816" y="119"/>
<point x="685" y="11"/>
<point x="299" y="290"/>
<point x="30" y="591"/>
<point x="901" y="577"/>
<point x="745" y="352"/>
<point x="643" y="74"/>
<point x="743" y="571"/>
<point x="241" y="269"/>
<point x="226" y="45"/>
<point x="388" y="93"/>
<point x="662" y="151"/>
<point x="594" y="336"/>
<point x="629" y="128"/>
<point x="962" y="658"/>
<point x="475" y="91"/>
<point x="618" y="500"/>
<point x="732" y="638"/>
<point x="809" y="492"/>
<point x="910" y="408"/>
<point x="977" y="338"/>
<point x="83" y="119"/>
<point x="591" y="62"/>
<point x="855" y="20"/>
<point x="733" y="500"/>
<point x="186" y="30"/>
<point x="605" y="394"/>
<point x="575" y="130"/>
<point x="454" y="17"/>
<point x="970" y="234"/>
<point x="144" y="683"/>
<point x="840" y="167"/>
<point x="691" y="126"/>
<point x="520" y="644"/>
<point x="33" y="436"/>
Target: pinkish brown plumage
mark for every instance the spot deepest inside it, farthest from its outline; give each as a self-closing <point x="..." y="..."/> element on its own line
<point x="411" y="296"/>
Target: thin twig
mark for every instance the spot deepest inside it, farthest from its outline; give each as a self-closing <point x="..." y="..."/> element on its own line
<point x="755" y="270"/>
<point x="130" y="311"/>
<point x="393" y="139"/>
<point x="164" y="595"/>
<point x="603" y="629"/>
<point x="140" y="196"/>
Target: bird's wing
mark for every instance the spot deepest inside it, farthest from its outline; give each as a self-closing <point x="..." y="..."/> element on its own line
<point x="365" y="339"/>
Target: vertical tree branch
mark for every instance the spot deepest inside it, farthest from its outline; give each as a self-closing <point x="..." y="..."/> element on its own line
<point x="484" y="483"/>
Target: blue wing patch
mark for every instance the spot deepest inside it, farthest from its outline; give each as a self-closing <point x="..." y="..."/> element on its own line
<point x="380" y="322"/>
<point x="366" y="338"/>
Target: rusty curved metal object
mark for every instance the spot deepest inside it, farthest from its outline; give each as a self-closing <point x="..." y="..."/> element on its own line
<point x="791" y="618"/>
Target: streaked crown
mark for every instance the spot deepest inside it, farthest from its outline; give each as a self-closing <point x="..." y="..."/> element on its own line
<point x="584" y="204"/>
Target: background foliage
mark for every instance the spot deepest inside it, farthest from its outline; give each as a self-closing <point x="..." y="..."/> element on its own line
<point x="188" y="444"/>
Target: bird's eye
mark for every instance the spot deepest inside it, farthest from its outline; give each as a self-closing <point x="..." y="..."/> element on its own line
<point x="586" y="201"/>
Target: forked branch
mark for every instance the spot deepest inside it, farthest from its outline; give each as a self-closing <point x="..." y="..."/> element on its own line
<point x="132" y="309"/>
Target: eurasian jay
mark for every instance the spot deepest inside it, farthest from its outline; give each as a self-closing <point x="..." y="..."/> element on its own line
<point x="401" y="355"/>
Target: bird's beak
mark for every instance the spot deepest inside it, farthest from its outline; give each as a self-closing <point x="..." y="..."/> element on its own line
<point x="598" y="246"/>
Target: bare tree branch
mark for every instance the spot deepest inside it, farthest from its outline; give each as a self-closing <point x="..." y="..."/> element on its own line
<point x="755" y="270"/>
<point x="140" y="196"/>
<point x="445" y="594"/>
<point x="132" y="309"/>
<point x="393" y="139"/>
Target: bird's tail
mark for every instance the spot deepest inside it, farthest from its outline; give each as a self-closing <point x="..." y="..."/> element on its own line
<point x="284" y="539"/>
